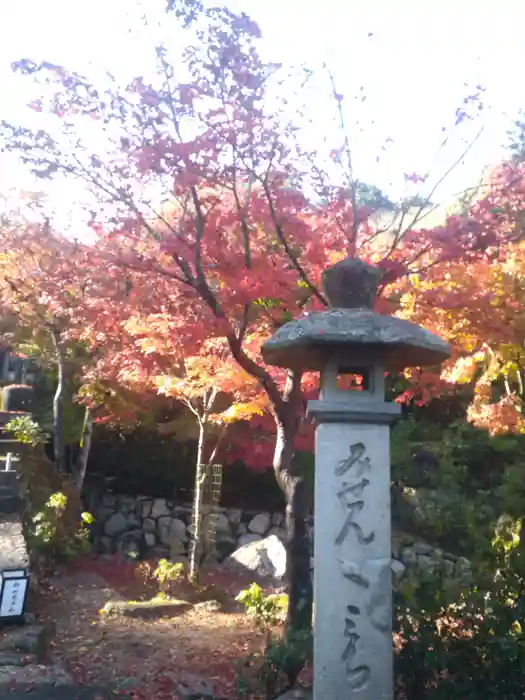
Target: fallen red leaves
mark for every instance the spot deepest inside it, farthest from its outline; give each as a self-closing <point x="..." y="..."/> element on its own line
<point x="144" y="658"/>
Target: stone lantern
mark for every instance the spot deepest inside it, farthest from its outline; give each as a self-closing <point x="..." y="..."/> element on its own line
<point x="352" y="542"/>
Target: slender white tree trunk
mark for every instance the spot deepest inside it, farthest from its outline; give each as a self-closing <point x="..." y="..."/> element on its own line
<point x="85" y="447"/>
<point x="197" y="534"/>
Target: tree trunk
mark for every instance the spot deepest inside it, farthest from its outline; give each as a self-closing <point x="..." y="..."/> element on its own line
<point x="294" y="486"/>
<point x="58" y="405"/>
<point x="196" y="538"/>
<point x="85" y="447"/>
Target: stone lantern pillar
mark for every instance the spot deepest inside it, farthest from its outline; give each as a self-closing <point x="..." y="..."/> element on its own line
<point x="352" y="544"/>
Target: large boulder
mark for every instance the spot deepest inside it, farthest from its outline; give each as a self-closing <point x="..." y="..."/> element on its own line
<point x="265" y="558"/>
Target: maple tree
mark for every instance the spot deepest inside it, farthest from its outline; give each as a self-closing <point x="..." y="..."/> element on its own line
<point x="36" y="306"/>
<point x="210" y="386"/>
<point x="476" y="303"/>
<point x="54" y="303"/>
<point x="210" y="226"/>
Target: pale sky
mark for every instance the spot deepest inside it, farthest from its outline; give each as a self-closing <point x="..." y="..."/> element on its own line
<point x="413" y="69"/>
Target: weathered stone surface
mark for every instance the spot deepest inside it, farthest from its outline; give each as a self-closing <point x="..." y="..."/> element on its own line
<point x="13" y="550"/>
<point x="29" y="639"/>
<point x="277" y="519"/>
<point x="178" y="529"/>
<point x="408" y="556"/>
<point x="397" y="545"/>
<point x="33" y="675"/>
<point x="104" y="513"/>
<point x="176" y="549"/>
<point x="260" y="524"/>
<point x="145" y="508"/>
<point x="127" y="503"/>
<point x="132" y="545"/>
<point x="265" y="558"/>
<point x="278" y="532"/>
<point x="132" y="521"/>
<point x="171" y="530"/>
<point x="105" y="545"/>
<point x="463" y="569"/>
<point x="163" y="524"/>
<point x="12" y="658"/>
<point x="232" y="531"/>
<point x="448" y="567"/>
<point x="40" y="687"/>
<point x="352" y="573"/>
<point x="115" y="524"/>
<point x="303" y="343"/>
<point x="426" y="563"/>
<point x="422" y="548"/>
<point x="220" y="522"/>
<point x="191" y="686"/>
<point x="297" y="694"/>
<point x="248" y="538"/>
<point x="234" y="515"/>
<point x="208" y="606"/>
<point x="225" y="546"/>
<point x="146" y="609"/>
<point x="159" y="508"/>
<point x="398" y="568"/>
<point x="351" y="283"/>
<point x="149" y="525"/>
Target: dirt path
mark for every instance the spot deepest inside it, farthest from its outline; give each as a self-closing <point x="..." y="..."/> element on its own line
<point x="144" y="657"/>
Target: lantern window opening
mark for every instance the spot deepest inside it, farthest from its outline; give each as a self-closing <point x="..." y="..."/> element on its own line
<point x="351" y="378"/>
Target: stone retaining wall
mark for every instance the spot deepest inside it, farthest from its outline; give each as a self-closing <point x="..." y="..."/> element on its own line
<point x="141" y="526"/>
<point x="13" y="549"/>
<point x="162" y="528"/>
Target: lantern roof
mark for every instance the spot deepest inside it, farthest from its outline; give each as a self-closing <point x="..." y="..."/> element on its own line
<point x="351" y="331"/>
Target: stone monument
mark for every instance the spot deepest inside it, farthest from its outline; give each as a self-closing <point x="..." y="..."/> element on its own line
<point x="352" y="574"/>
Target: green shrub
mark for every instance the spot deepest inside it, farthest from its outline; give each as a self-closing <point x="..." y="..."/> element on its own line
<point x="48" y="532"/>
<point x="468" y="642"/>
<point x="166" y="573"/>
<point x="277" y="667"/>
<point x="265" y="608"/>
<point x="27" y="431"/>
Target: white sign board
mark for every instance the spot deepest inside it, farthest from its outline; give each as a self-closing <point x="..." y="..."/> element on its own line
<point x="12" y="594"/>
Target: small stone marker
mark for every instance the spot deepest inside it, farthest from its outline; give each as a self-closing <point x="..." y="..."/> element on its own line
<point x="352" y="573"/>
